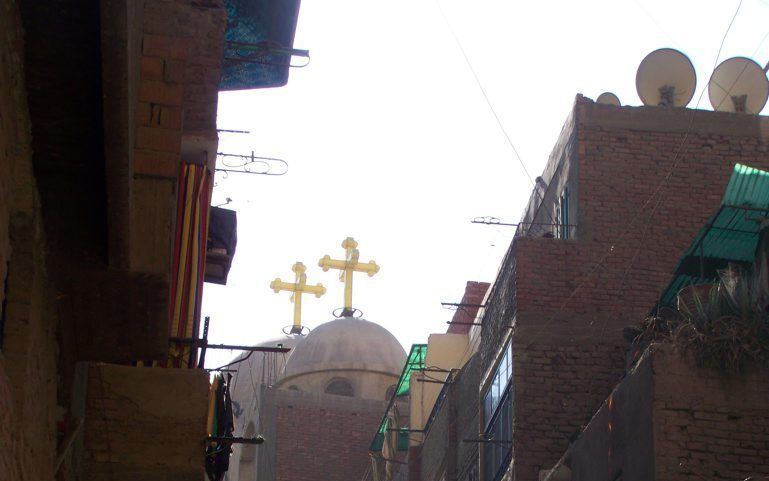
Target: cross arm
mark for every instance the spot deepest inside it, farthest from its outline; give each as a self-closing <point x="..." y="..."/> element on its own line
<point x="277" y="285"/>
<point x="369" y="268"/>
<point x="318" y="290"/>
<point x="328" y="263"/>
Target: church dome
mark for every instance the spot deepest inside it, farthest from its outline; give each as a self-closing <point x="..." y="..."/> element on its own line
<point x="260" y="368"/>
<point x="347" y="344"/>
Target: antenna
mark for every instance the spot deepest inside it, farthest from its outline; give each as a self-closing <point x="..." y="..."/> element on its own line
<point x="739" y="84"/>
<point x="252" y="164"/>
<point x="666" y="78"/>
<point x="608" y="98"/>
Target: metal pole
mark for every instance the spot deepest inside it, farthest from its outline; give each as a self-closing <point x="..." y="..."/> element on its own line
<point x="229" y="347"/>
<point x="202" y="361"/>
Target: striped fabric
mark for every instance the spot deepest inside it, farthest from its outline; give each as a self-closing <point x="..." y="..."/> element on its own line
<point x="189" y="257"/>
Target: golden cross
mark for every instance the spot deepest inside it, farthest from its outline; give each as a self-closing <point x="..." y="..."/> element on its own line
<point x="297" y="289"/>
<point x="348" y="266"/>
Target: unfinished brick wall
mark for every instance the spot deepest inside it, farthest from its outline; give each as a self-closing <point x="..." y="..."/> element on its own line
<point x="28" y="379"/>
<point x="563" y="294"/>
<point x="465" y="314"/>
<point x="320" y="436"/>
<point x="50" y="73"/>
<point x="178" y="91"/>
<point x="144" y="423"/>
<point x="621" y="260"/>
<point x="707" y="426"/>
<point x="670" y="420"/>
<point x="180" y="65"/>
<point x="556" y="390"/>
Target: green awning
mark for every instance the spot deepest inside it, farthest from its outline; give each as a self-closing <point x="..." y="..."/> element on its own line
<point x="414" y="362"/>
<point x="730" y="236"/>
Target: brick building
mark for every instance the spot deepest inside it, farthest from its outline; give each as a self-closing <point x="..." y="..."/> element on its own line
<point x="622" y="195"/>
<point x="317" y="407"/>
<point x="107" y="122"/>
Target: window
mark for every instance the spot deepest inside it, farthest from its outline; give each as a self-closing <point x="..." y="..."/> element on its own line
<point x="498" y="418"/>
<point x="340" y="387"/>
<point x="563" y="225"/>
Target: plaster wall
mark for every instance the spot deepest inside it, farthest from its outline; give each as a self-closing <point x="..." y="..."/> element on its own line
<point x="444" y="352"/>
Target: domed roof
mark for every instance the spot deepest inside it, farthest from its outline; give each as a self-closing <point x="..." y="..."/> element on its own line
<point x="347" y="343"/>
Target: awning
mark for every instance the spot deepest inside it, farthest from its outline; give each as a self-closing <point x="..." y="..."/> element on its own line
<point x="257" y="43"/>
<point x="222" y="240"/>
<point x="730" y="236"/>
<point x="414" y="362"/>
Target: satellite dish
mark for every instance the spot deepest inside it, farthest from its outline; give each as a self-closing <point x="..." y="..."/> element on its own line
<point x="739" y="84"/>
<point x="666" y="78"/>
<point x="608" y="98"/>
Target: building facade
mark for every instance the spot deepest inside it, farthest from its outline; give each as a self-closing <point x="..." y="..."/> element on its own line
<point x="319" y="406"/>
<point x="108" y="147"/>
<point x="622" y="195"/>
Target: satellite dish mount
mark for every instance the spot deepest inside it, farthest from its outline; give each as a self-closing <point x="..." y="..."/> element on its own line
<point x="666" y="78"/>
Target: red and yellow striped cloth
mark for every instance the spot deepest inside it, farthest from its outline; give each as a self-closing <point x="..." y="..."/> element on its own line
<point x="189" y="258"/>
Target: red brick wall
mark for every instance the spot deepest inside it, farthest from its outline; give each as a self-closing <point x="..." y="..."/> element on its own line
<point x="556" y="390"/>
<point x="620" y="260"/>
<point x="315" y="442"/>
<point x="568" y="295"/>
<point x="708" y="427"/>
<point x="474" y="294"/>
<point x="669" y="420"/>
<point x="50" y="71"/>
<point x="180" y="66"/>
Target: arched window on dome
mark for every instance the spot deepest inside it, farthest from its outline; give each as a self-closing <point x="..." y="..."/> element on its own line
<point x="247" y="465"/>
<point x="390" y="392"/>
<point x="340" y="387"/>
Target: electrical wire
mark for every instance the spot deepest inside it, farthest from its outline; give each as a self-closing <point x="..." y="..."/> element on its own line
<point x="236" y="361"/>
<point x="744" y="68"/>
<point x="490" y="104"/>
<point x="260" y="418"/>
<point x="657" y="191"/>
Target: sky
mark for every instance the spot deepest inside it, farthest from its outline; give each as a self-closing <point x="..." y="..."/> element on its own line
<point x="389" y="140"/>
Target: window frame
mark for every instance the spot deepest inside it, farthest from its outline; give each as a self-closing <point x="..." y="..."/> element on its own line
<point x="340" y="380"/>
<point x="497" y="408"/>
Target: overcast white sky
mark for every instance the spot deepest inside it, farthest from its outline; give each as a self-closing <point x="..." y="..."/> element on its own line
<point x="389" y="140"/>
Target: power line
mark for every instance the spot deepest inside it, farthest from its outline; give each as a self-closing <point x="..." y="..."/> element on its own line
<point x="496" y="116"/>
<point x="483" y="91"/>
<point x="637" y="216"/>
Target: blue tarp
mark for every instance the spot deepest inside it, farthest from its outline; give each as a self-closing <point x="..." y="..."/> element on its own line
<point x="255" y="30"/>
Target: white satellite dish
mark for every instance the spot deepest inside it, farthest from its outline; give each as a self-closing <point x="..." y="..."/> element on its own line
<point x="738" y="85"/>
<point x="608" y="98"/>
<point x="666" y="77"/>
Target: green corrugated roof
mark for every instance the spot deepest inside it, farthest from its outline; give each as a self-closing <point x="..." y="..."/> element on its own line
<point x="729" y="236"/>
<point x="414" y="362"/>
